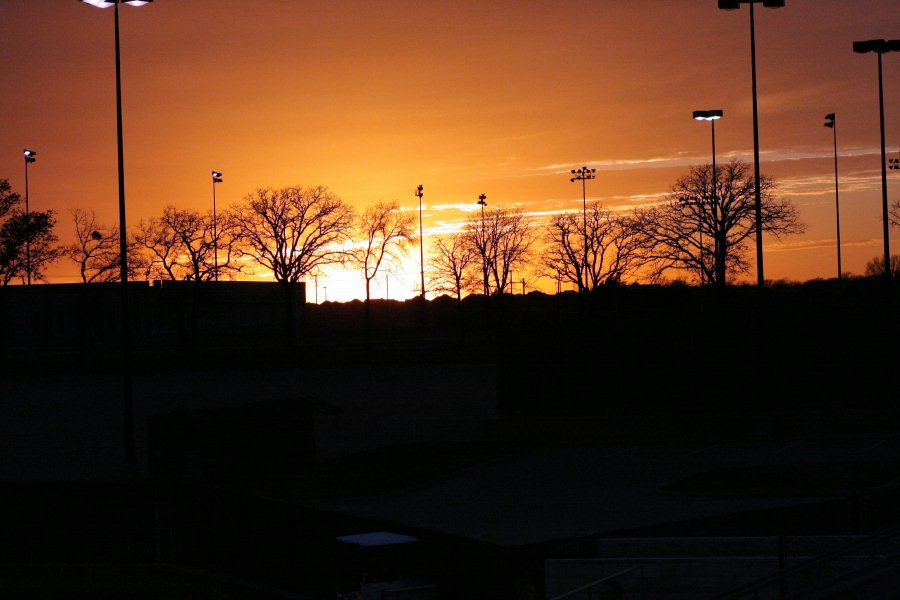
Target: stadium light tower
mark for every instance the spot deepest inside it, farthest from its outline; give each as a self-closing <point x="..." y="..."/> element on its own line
<point x="123" y="237"/>
<point x="482" y="201"/>
<point x="419" y="193"/>
<point x="29" y="159"/>
<point x="831" y="123"/>
<point x="712" y="116"/>
<point x="216" y="178"/>
<point x="583" y="175"/>
<point x="734" y="5"/>
<point x="881" y="47"/>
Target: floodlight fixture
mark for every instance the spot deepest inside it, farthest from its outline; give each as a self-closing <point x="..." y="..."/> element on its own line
<point x="582" y="174"/>
<point x="879" y="46"/>
<point x="829" y="120"/>
<point x="216" y="177"/>
<point x="29" y="155"/>
<point x="108" y="3"/>
<point x="708" y="115"/>
<point x="736" y="4"/>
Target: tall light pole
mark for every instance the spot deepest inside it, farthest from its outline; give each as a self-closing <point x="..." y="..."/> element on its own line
<point x="29" y="158"/>
<point x="123" y="236"/>
<point x="216" y="178"/>
<point x="831" y="123"/>
<point x="583" y="175"/>
<point x="733" y="5"/>
<point x="882" y="47"/>
<point x="482" y="200"/>
<point x="712" y="116"/>
<point x="419" y="194"/>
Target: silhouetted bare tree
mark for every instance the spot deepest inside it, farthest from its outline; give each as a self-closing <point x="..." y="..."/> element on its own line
<point x="894" y="216"/>
<point x="8" y="198"/>
<point x="452" y="261"/>
<point x="386" y="232"/>
<point x="293" y="230"/>
<point x="613" y="247"/>
<point x="181" y="245"/>
<point x="875" y="267"/>
<point x="704" y="231"/>
<point x="502" y="241"/>
<point x="96" y="249"/>
<point x="161" y="244"/>
<point x="18" y="230"/>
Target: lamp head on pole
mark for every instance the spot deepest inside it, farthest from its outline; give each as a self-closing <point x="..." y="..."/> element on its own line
<point x="482" y="200"/>
<point x="708" y="115"/>
<point x="108" y="3"/>
<point x="29" y="155"/>
<point x="216" y="177"/>
<point x="829" y="120"/>
<point x="419" y="191"/>
<point x="878" y="46"/>
<point x="736" y="4"/>
<point x="582" y="174"/>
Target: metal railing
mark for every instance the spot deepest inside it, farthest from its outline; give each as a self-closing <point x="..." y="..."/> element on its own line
<point x="795" y="579"/>
<point x="586" y="591"/>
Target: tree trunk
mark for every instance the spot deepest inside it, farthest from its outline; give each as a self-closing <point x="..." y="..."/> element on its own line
<point x="720" y="261"/>
<point x="289" y="315"/>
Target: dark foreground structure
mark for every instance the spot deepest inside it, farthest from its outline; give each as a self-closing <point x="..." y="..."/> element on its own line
<point x="644" y="442"/>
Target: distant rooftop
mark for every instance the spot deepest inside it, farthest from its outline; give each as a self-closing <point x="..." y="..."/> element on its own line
<point x="376" y="538"/>
<point x="552" y="494"/>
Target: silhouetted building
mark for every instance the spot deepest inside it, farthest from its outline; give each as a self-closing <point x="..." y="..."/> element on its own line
<point x="57" y="318"/>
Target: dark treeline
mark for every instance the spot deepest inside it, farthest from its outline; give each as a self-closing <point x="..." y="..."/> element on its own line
<point x="700" y="231"/>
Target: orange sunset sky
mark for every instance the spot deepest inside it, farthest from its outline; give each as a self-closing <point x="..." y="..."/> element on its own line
<point x="371" y="98"/>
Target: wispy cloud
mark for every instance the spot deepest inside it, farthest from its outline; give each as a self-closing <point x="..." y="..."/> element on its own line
<point x="814" y="185"/>
<point x="466" y="207"/>
<point x="659" y="162"/>
<point x="802" y="245"/>
<point x="681" y="159"/>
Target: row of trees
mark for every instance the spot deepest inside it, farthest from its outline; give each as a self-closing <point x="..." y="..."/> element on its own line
<point x="27" y="241"/>
<point x="703" y="227"/>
